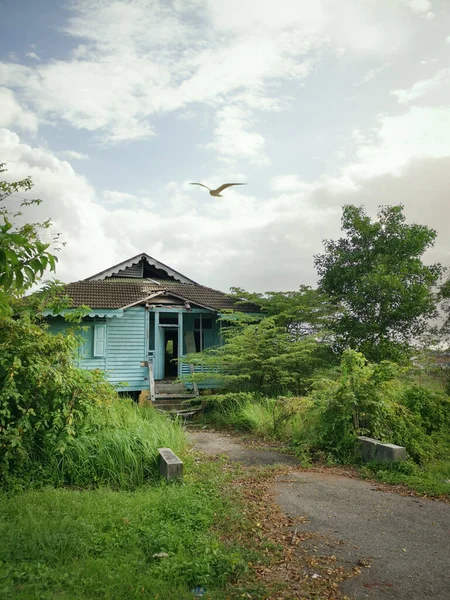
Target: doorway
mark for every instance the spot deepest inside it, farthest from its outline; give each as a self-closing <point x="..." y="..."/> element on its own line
<point x="170" y="340"/>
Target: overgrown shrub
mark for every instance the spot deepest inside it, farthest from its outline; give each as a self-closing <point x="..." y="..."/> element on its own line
<point x="263" y="357"/>
<point x="118" y="449"/>
<point x="431" y="406"/>
<point x="44" y="398"/>
<point x="370" y="399"/>
<point x="251" y="412"/>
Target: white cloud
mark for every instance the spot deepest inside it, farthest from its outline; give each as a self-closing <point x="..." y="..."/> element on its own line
<point x="419" y="6"/>
<point x="421" y="132"/>
<point x="424" y="87"/>
<point x="288" y="183"/>
<point x="33" y="55"/>
<point x="234" y="139"/>
<point x="372" y="73"/>
<point x="136" y="59"/>
<point x="74" y="155"/>
<point x="13" y="114"/>
<point x="68" y="199"/>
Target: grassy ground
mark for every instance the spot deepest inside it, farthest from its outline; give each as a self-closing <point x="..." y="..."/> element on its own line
<point x="220" y="531"/>
<point x="60" y="543"/>
<point x="432" y="480"/>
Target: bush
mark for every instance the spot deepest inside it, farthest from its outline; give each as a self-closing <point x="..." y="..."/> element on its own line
<point x="119" y="449"/>
<point x="45" y="400"/>
<point x="369" y="399"/>
<point x="431" y="406"/>
<point x="263" y="358"/>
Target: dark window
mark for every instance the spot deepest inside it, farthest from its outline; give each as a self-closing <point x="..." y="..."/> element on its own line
<point x="206" y="323"/>
<point x="168" y="319"/>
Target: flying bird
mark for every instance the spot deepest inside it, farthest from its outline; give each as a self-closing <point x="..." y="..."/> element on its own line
<point x="219" y="189"/>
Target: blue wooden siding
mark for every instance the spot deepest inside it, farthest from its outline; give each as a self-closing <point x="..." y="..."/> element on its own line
<point x="86" y="358"/>
<point x="126" y="348"/>
<point x="122" y="344"/>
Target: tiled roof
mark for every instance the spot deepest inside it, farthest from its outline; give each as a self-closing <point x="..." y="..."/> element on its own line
<point x="118" y="292"/>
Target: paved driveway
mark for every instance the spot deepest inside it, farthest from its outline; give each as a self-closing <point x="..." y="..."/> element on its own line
<point x="404" y="541"/>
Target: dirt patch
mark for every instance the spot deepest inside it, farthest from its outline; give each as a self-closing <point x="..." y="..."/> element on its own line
<point x="225" y="444"/>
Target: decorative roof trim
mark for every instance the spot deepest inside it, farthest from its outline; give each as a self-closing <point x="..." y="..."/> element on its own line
<point x="190" y="301"/>
<point x="143" y="300"/>
<point x="108" y="313"/>
<point x="169" y="293"/>
<point x="134" y="260"/>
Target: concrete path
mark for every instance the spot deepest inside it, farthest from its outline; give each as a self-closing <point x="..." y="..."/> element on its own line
<point x="405" y="540"/>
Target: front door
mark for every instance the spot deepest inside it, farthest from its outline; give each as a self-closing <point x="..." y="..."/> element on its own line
<point x="167" y="345"/>
<point x="170" y="342"/>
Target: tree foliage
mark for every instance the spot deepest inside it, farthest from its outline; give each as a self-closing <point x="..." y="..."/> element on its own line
<point x="44" y="397"/>
<point x="444" y="297"/>
<point x="377" y="274"/>
<point x="302" y="312"/>
<point x="275" y="351"/>
<point x="24" y="256"/>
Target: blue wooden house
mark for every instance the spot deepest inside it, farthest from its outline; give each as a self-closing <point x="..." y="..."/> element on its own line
<point x="144" y="318"/>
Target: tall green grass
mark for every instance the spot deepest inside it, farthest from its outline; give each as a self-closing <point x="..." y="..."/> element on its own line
<point x="83" y="544"/>
<point x="246" y="411"/>
<point x="119" y="449"/>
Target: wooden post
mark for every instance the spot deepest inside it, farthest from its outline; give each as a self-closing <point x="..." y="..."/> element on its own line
<point x="180" y="342"/>
<point x="194" y="383"/>
<point x="151" y="378"/>
<point x="157" y="356"/>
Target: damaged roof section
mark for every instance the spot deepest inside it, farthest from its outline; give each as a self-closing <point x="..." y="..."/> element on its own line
<point x="141" y="266"/>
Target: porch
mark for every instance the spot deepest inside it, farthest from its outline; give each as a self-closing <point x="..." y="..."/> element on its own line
<point x="173" y="333"/>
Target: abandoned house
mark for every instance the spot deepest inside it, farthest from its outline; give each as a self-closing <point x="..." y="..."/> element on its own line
<point x="144" y="318"/>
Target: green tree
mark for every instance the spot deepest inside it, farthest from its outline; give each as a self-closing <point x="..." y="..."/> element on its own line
<point x="305" y="311"/>
<point x="24" y="256"/>
<point x="377" y="274"/>
<point x="275" y="351"/>
<point x="44" y="398"/>
<point x="444" y="296"/>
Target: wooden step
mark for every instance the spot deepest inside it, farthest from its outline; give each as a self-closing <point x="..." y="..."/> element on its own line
<point x="173" y="406"/>
<point x="169" y="386"/>
<point x="175" y="396"/>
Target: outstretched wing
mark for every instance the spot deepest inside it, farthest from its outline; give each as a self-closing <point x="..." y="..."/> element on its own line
<point x="227" y="185"/>
<point x="205" y="186"/>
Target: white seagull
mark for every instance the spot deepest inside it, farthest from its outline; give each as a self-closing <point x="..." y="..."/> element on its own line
<point x="219" y="189"/>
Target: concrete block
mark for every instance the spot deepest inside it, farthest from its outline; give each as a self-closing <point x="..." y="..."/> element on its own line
<point x="170" y="466"/>
<point x="370" y="449"/>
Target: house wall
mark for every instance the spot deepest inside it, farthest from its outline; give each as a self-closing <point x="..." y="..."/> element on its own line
<point x="128" y="342"/>
<point x="86" y="360"/>
<point x="126" y="348"/>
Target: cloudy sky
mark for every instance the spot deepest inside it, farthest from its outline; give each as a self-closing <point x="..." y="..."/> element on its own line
<point x="114" y="106"/>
